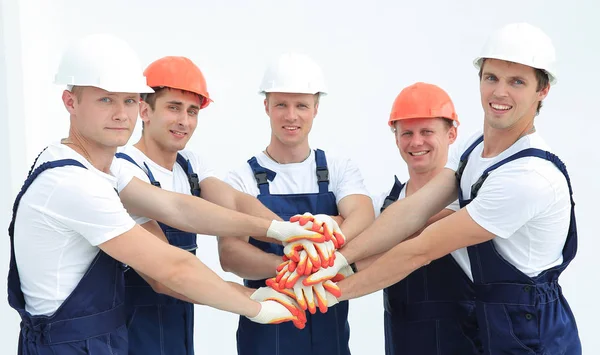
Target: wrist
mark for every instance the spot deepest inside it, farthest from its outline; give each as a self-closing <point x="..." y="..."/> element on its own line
<point x="353" y="267"/>
<point x="254" y="311"/>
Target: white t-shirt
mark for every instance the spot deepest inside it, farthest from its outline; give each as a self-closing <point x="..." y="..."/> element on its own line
<point x="525" y="203"/>
<point x="380" y="198"/>
<point x="297" y="178"/>
<point x="171" y="180"/>
<point x="61" y="219"/>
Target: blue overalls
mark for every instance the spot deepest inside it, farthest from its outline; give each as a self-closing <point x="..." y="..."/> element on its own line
<point x="91" y="320"/>
<point x="325" y="333"/>
<point x="518" y="314"/>
<point x="428" y="311"/>
<point x="160" y="324"/>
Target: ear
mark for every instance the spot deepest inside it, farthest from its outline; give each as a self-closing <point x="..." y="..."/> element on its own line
<point x="452" y="134"/>
<point x="70" y="101"/>
<point x="145" y="112"/>
<point x="316" y="109"/>
<point x="543" y="93"/>
<point x="266" y="103"/>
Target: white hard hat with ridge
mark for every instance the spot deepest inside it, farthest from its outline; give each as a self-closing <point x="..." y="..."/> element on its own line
<point x="521" y="43"/>
<point x="103" y="61"/>
<point x="293" y="73"/>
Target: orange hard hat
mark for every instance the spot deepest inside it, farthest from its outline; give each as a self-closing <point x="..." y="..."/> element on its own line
<point x="177" y="73"/>
<point x="422" y="100"/>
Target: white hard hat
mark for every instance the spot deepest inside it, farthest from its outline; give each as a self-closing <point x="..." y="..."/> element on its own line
<point x="102" y="61"/>
<point x="524" y="44"/>
<point x="293" y="73"/>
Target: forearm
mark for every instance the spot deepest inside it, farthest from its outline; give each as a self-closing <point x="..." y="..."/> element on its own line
<point x="246" y="260"/>
<point x="162" y="289"/>
<point x="401" y="220"/>
<point x="195" y="215"/>
<point x="189" y="213"/>
<point x="250" y="205"/>
<point x="243" y="289"/>
<point x="357" y="221"/>
<point x="366" y="262"/>
<point x="198" y="283"/>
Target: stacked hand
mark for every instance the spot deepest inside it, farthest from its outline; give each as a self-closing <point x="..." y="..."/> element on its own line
<point x="310" y="269"/>
<point x="306" y="280"/>
<point x="277" y="307"/>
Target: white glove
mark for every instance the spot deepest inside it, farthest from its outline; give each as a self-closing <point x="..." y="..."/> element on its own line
<point x="324" y="224"/>
<point x="319" y="254"/>
<point x="339" y="265"/>
<point x="290" y="232"/>
<point x="310" y="297"/>
<point x="273" y="312"/>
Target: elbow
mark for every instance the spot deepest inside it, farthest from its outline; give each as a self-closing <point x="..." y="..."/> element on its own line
<point x="224" y="258"/>
<point x="159" y="288"/>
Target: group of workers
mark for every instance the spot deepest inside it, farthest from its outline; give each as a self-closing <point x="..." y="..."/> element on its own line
<point x="468" y="250"/>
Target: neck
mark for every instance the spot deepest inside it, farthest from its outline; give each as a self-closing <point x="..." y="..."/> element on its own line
<point x="498" y="140"/>
<point x="100" y="157"/>
<point x="164" y="158"/>
<point x="419" y="179"/>
<point x="287" y="155"/>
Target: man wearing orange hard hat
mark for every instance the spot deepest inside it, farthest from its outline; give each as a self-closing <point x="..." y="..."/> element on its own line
<point x="159" y="323"/>
<point x="422" y="311"/>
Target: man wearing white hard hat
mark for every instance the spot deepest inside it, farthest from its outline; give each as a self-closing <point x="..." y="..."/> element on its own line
<point x="290" y="178"/>
<point x="515" y="232"/>
<point x="71" y="234"/>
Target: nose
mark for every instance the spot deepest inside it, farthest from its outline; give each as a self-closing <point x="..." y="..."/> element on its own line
<point x="183" y="119"/>
<point x="290" y="113"/>
<point x="416" y="140"/>
<point x="500" y="89"/>
<point x="120" y="111"/>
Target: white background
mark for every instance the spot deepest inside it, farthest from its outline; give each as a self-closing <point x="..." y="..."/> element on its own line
<point x="369" y="51"/>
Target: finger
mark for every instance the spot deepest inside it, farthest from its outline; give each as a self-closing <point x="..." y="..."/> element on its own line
<point x="320" y="276"/>
<point x="275" y="286"/>
<point x="338" y="278"/>
<point x="299" y="296"/>
<point x="282" y="265"/>
<point x="339" y="237"/>
<point x="313" y="237"/>
<point x="292" y="266"/>
<point x="309" y="267"/>
<point x="321" y="297"/>
<point x="298" y="323"/>
<point x="332" y="288"/>
<point x="310" y="300"/>
<point x="281" y="274"/>
<point x="323" y="252"/>
<point x="302" y="263"/>
<point x="313" y="255"/>
<point x="291" y="281"/>
<point x="284" y="279"/>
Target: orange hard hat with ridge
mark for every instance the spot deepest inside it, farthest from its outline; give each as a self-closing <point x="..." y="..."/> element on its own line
<point x="422" y="100"/>
<point x="178" y="73"/>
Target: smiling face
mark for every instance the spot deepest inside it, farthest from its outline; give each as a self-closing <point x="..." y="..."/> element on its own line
<point x="291" y="117"/>
<point x="173" y="120"/>
<point x="509" y="94"/>
<point x="104" y="119"/>
<point x="423" y="142"/>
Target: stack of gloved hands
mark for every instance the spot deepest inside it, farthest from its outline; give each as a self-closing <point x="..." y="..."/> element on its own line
<point x="306" y="280"/>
